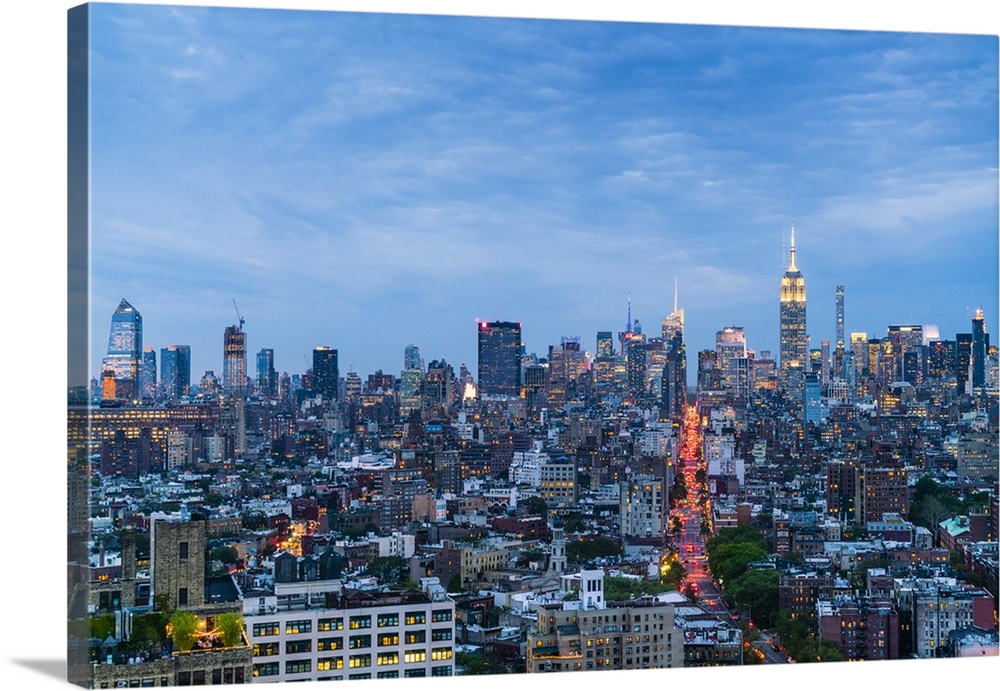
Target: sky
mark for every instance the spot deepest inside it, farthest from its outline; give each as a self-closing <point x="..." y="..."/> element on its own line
<point x="368" y="181"/>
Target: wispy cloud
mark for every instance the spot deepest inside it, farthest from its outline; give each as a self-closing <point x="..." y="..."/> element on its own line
<point x="375" y="180"/>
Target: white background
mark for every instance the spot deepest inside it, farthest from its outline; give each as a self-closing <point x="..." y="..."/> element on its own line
<point x="32" y="268"/>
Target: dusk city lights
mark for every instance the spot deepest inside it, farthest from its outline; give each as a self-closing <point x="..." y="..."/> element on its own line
<point x="425" y="345"/>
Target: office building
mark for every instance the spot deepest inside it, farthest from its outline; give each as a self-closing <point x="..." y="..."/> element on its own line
<point x="499" y="359"/>
<point x="643" y="506"/>
<point x="175" y="371"/>
<point x="267" y="378"/>
<point x="147" y="374"/>
<point x="812" y="400"/>
<point x="310" y="628"/>
<point x="675" y="371"/>
<point x="601" y="635"/>
<point x="980" y="348"/>
<point x="793" y="356"/>
<point x="412" y="359"/>
<point x="963" y="363"/>
<point x="326" y="373"/>
<point x="730" y="355"/>
<point x="124" y="355"/>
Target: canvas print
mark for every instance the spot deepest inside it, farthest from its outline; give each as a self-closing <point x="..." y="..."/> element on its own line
<point x="429" y="346"/>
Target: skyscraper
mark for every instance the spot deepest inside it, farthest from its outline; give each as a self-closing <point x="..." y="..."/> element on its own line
<point x="175" y="370"/>
<point x="730" y="357"/>
<point x="500" y="359"/>
<point x="793" y="340"/>
<point x="234" y="360"/>
<point x="840" y="345"/>
<point x="124" y="349"/>
<point x="412" y="359"/>
<point x="963" y="362"/>
<point x="980" y="347"/>
<point x="325" y="372"/>
<point x="267" y="378"/>
<point x="147" y="374"/>
<point x="675" y="371"/>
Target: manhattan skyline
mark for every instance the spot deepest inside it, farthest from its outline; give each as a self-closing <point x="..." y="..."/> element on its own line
<point x="370" y="181"/>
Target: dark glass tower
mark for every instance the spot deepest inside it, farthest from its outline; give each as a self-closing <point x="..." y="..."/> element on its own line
<point x="980" y="346"/>
<point x="500" y="359"/>
<point x="147" y="374"/>
<point x="175" y="370"/>
<point x="325" y="372"/>
<point x="963" y="360"/>
<point x="267" y="378"/>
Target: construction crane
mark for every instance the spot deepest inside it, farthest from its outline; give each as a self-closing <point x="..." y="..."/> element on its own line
<point x="238" y="313"/>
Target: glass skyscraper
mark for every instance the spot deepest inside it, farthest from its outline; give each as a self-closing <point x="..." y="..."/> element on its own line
<point x="325" y="372"/>
<point x="124" y="344"/>
<point x="267" y="378"/>
<point x="500" y="359"/>
<point x="980" y="347"/>
<point x="175" y="370"/>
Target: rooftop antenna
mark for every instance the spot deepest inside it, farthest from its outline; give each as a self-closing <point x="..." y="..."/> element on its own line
<point x="675" y="294"/>
<point x="628" y="324"/>
<point x="238" y="314"/>
<point x="791" y="261"/>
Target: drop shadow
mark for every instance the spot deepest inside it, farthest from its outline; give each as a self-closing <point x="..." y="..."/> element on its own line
<point x="50" y="668"/>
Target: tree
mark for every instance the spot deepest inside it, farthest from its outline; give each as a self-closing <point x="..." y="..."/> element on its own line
<point x="757" y="593"/>
<point x="183" y="629"/>
<point x="388" y="570"/>
<point x="455" y="584"/>
<point x="213" y="499"/>
<point x="592" y="548"/>
<point x="224" y="553"/>
<point x="255" y="520"/>
<point x="620" y="588"/>
<point x="529" y="555"/>
<point x="729" y="561"/>
<point x="535" y="506"/>
<point x="230" y="628"/>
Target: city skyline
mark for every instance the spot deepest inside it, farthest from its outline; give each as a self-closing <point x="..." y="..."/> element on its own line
<point x="367" y="195"/>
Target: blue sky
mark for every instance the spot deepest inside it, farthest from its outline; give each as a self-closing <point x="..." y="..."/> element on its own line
<point x="367" y="181"/>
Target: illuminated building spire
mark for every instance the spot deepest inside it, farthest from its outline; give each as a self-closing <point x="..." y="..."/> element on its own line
<point x="628" y="324"/>
<point x="791" y="261"/>
<point x="675" y="294"/>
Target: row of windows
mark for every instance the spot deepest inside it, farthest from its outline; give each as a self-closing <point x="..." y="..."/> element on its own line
<point x="267" y="649"/>
<point x="323" y="664"/>
<point x="297" y="626"/>
<point x="225" y="675"/>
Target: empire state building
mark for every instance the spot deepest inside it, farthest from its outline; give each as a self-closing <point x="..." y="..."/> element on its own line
<point x="793" y="341"/>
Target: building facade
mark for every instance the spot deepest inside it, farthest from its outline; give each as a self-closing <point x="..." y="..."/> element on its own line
<point x="638" y="634"/>
<point x="499" y="359"/>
